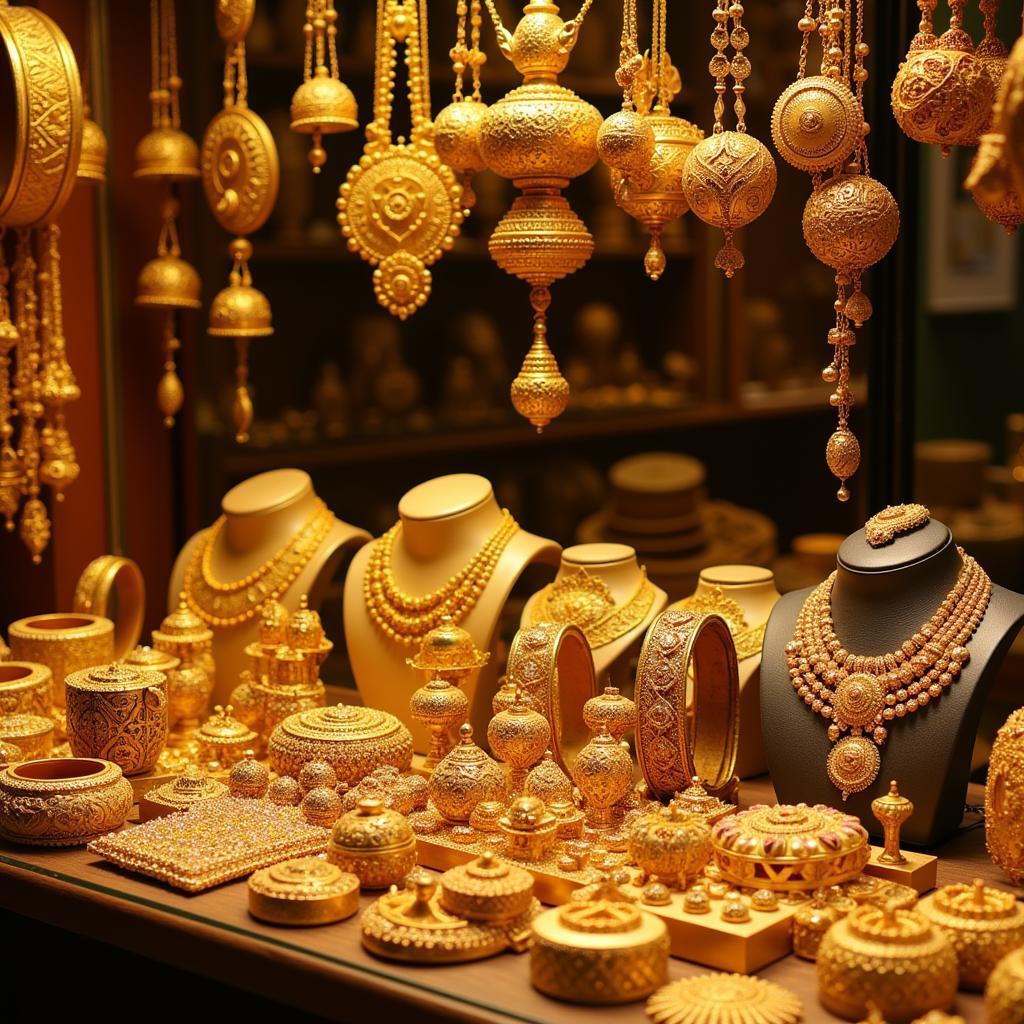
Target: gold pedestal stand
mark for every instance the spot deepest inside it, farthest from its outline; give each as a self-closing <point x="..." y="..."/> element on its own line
<point x="920" y="871"/>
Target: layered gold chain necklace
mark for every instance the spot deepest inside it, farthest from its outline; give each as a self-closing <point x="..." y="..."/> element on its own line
<point x="862" y="694"/>
<point x="407" y="619"/>
<point x="224" y="605"/>
<point x="584" y="600"/>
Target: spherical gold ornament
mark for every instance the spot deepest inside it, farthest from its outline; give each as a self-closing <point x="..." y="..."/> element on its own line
<point x="321" y="806"/>
<point x="851" y="222"/>
<point x="457" y="135"/>
<point x="671" y="845"/>
<point x="92" y="164"/>
<point x="817" y="123"/>
<point x="518" y="736"/>
<point x="626" y="141"/>
<point x="603" y="771"/>
<point x="548" y="782"/>
<point x="249" y="779"/>
<point x="323" y="105"/>
<point x="465" y="777"/>
<point x="1007" y="211"/>
<point x="168" y="154"/>
<point x="317" y="775"/>
<point x="842" y="455"/>
<point x="539" y="391"/>
<point x="168" y="282"/>
<point x="1004" y="993"/>
<point x="285" y="792"/>
<point x="376" y="844"/>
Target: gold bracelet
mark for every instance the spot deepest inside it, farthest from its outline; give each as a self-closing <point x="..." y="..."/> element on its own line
<point x="554" y="668"/>
<point x="92" y="597"/>
<point x="670" y="750"/>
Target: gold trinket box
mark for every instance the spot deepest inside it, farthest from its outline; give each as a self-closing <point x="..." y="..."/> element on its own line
<point x="695" y="799"/>
<point x="25" y="688"/>
<point x="982" y="923"/>
<point x="789" y="847"/>
<point x="62" y="801"/>
<point x="670" y="845"/>
<point x="353" y="740"/>
<point x="373" y="843"/>
<point x="723" y="999"/>
<point x="529" y="828"/>
<point x="465" y="777"/>
<point x="301" y="892"/>
<point x="487" y="890"/>
<point x="224" y="739"/>
<point x="1004" y="993"/>
<point x="180" y="794"/>
<point x="31" y="734"/>
<point x="895" y="960"/>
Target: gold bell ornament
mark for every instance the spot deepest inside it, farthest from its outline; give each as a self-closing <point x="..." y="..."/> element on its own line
<point x="92" y="164"/>
<point x="240" y="178"/>
<point x="540" y="135"/>
<point x="729" y="178"/>
<point x="323" y="104"/>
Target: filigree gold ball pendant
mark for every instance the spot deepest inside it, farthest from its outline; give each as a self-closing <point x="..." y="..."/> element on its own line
<point x="457" y="141"/>
<point x="626" y="142"/>
<point x="817" y="123"/>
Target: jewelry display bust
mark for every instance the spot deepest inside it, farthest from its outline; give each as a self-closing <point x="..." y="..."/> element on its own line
<point x="880" y="599"/>
<point x="444" y="525"/>
<point x="262" y="516"/>
<point x="604" y="590"/>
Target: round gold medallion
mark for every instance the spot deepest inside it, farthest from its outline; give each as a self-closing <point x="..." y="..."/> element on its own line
<point x="240" y="169"/>
<point x="853" y="764"/>
<point x="234" y="19"/>
<point x="816" y="123"/>
<point x="859" y="698"/>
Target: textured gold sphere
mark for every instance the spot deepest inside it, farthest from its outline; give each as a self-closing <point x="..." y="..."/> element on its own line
<point x="457" y="135"/>
<point x="92" y="164"/>
<point x="323" y="104"/>
<point x="817" y="123"/>
<point x="539" y="392"/>
<point x="626" y="141"/>
<point x="851" y="222"/>
<point x="240" y="311"/>
<point x="1004" y="992"/>
<point x="842" y="454"/>
<point x="249" y="780"/>
<point x="168" y="282"/>
<point x="167" y="153"/>
<point x="1007" y="211"/>
<point x="321" y="806"/>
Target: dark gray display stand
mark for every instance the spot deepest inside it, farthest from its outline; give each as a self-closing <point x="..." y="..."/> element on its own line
<point x="881" y="597"/>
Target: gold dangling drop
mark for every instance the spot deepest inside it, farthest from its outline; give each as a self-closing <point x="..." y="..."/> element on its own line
<point x="170" y="393"/>
<point x="241" y="408"/>
<point x="539" y="392"/>
<point x="10" y="466"/>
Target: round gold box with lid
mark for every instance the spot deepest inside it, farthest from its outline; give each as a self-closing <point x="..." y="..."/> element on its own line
<point x="26" y="688"/>
<point x="303" y="891"/>
<point x="353" y="740"/>
<point x="180" y="793"/>
<point x="375" y="844"/>
<point x="225" y="739"/>
<point x="488" y="890"/>
<point x="31" y="734"/>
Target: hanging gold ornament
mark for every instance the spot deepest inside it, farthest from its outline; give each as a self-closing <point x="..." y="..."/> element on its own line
<point x="540" y="135"/>
<point x="240" y="178"/>
<point x="323" y="104"/>
<point x="10" y="464"/>
<point x="1011" y="123"/>
<point x="92" y="164"/>
<point x="729" y="178"/>
<point x="457" y="126"/>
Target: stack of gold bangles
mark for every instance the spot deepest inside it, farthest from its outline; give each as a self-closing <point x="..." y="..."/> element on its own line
<point x="95" y="588"/>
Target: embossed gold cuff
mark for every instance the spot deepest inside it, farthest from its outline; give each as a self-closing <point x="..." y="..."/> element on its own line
<point x="25" y="688"/>
<point x="554" y="668"/>
<point x="93" y="592"/>
<point x="681" y="646"/>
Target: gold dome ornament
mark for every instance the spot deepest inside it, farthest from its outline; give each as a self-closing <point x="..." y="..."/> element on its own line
<point x="323" y="104"/>
<point x="610" y="709"/>
<point x="1004" y="798"/>
<point x="723" y="999"/>
<point x="448" y="652"/>
<point x="374" y="843"/>
<point x="1004" y="993"/>
<point x="810" y="923"/>
<point x="400" y="208"/>
<point x="729" y="178"/>
<point x="224" y="739"/>
<point x="92" y="164"/>
<point x="540" y="135"/>
<point x="457" y="126"/>
<point x="547" y="781"/>
<point x="518" y="736"/>
<point x="817" y="123"/>
<point x="465" y="777"/>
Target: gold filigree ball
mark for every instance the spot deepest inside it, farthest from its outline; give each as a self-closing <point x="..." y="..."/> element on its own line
<point x="321" y="806"/>
<point x="817" y="123"/>
<point x="285" y="792"/>
<point x="842" y="454"/>
<point x="851" y="222"/>
<point x="626" y="142"/>
<point x="457" y="135"/>
<point x="539" y="392"/>
<point x="249" y="779"/>
<point x="317" y="774"/>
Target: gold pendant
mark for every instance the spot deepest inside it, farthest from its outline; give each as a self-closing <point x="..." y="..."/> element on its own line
<point x="853" y="764"/>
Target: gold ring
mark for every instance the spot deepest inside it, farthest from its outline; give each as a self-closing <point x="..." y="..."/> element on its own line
<point x="92" y="596"/>
<point x="680" y="645"/>
<point x="553" y="666"/>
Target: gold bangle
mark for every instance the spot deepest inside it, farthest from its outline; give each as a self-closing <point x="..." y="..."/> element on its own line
<point x="671" y="751"/>
<point x="92" y="596"/>
<point x="554" y="668"/>
<point x="25" y="688"/>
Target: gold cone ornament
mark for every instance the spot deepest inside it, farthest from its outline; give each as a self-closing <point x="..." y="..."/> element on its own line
<point x="729" y="178"/>
<point x="540" y="135"/>
<point x="323" y="104"/>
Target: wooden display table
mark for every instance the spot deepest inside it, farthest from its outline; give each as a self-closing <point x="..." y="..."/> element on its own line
<point x="325" y="971"/>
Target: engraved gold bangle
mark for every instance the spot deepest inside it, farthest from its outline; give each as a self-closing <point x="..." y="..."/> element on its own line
<point x="681" y="645"/>
<point x="553" y="666"/>
<point x="93" y="592"/>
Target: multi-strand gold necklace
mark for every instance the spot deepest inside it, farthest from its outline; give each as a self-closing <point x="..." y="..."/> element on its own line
<point x="224" y="605"/>
<point x="407" y="619"/>
<point x="862" y="694"/>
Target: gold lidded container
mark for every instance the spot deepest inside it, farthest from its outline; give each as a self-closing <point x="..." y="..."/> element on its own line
<point x="611" y="709"/>
<point x="31" y="734"/>
<point x="465" y="777"/>
<point x="224" y="739"/>
<point x="518" y="736"/>
<point x="303" y="891"/>
<point x="983" y="924"/>
<point x="180" y="793"/>
<point x="448" y="652"/>
<point x="670" y="845"/>
<point x="1004" y="993"/>
<point x="487" y="889"/>
<point x="374" y="843"/>
<point x="547" y="781"/>
<point x="26" y="688"/>
<point x="695" y="799"/>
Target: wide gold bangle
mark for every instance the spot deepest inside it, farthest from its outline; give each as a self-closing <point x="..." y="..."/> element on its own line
<point x="25" y="688"/>
<point x="681" y="646"/>
<point x="93" y="592"/>
<point x="554" y="668"/>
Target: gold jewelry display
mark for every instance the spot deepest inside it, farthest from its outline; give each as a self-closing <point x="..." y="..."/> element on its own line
<point x="400" y="208"/>
<point x="893" y="959"/>
<point x="214" y="841"/>
<point x="31" y="734"/>
<point x="670" y="845"/>
<point x="983" y="924"/>
<point x="714" y="601"/>
<point x="540" y="135"/>
<point x="465" y="777"/>
<point x="863" y="695"/>
<point x="180" y="793"/>
<point x="518" y="736"/>
<point x="25" y="688"/>
<point x="64" y="801"/>
<point x="885" y="526"/>
<point x="643" y="144"/>
<point x="240" y="174"/>
<point x="612" y="710"/>
<point x="584" y="600"/>
<point x="553" y="667"/>
<point x="789" y="848"/>
<point x="407" y="618"/>
<point x="1004" y="993"/>
<point x="303" y="892"/>
<point x="323" y="104"/>
<point x="851" y="220"/>
<point x="723" y="999"/>
<point x="892" y="810"/>
<point x="375" y="844"/>
<point x="227" y="604"/>
<point x="729" y="178"/>
<point x="1004" y="798"/>
<point x="680" y="645"/>
<point x="93" y="593"/>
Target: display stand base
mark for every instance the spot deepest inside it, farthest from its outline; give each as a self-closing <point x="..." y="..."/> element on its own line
<point x="920" y="872"/>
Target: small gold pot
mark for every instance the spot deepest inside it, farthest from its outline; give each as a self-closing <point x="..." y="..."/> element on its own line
<point x="119" y="713"/>
<point x="62" y="801"/>
<point x="31" y="734"/>
<point x="375" y="844"/>
<point x="25" y="688"/>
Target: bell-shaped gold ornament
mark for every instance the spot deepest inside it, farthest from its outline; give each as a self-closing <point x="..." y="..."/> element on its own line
<point x="92" y="163"/>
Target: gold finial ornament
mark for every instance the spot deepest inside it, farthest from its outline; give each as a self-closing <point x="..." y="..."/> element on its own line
<point x="400" y="208"/>
<point x="439" y="706"/>
<point x="695" y="799"/>
<point x="1004" y="993"/>
<point x="885" y="526"/>
<point x="892" y="810"/>
<point x="540" y="135"/>
<point x="518" y="736"/>
<point x="724" y="999"/>
<point x="448" y="652"/>
<point x="1004" y="798"/>
<point x="323" y="104"/>
<point x="729" y="178"/>
<point x="611" y="709"/>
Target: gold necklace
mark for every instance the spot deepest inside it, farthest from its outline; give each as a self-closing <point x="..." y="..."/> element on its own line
<point x="748" y="639"/>
<point x="584" y="600"/>
<point x="224" y="605"/>
<point x="862" y="694"/>
<point x="406" y="619"/>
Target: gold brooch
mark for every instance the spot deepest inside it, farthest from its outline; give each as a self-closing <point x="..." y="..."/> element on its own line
<point x="893" y="520"/>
